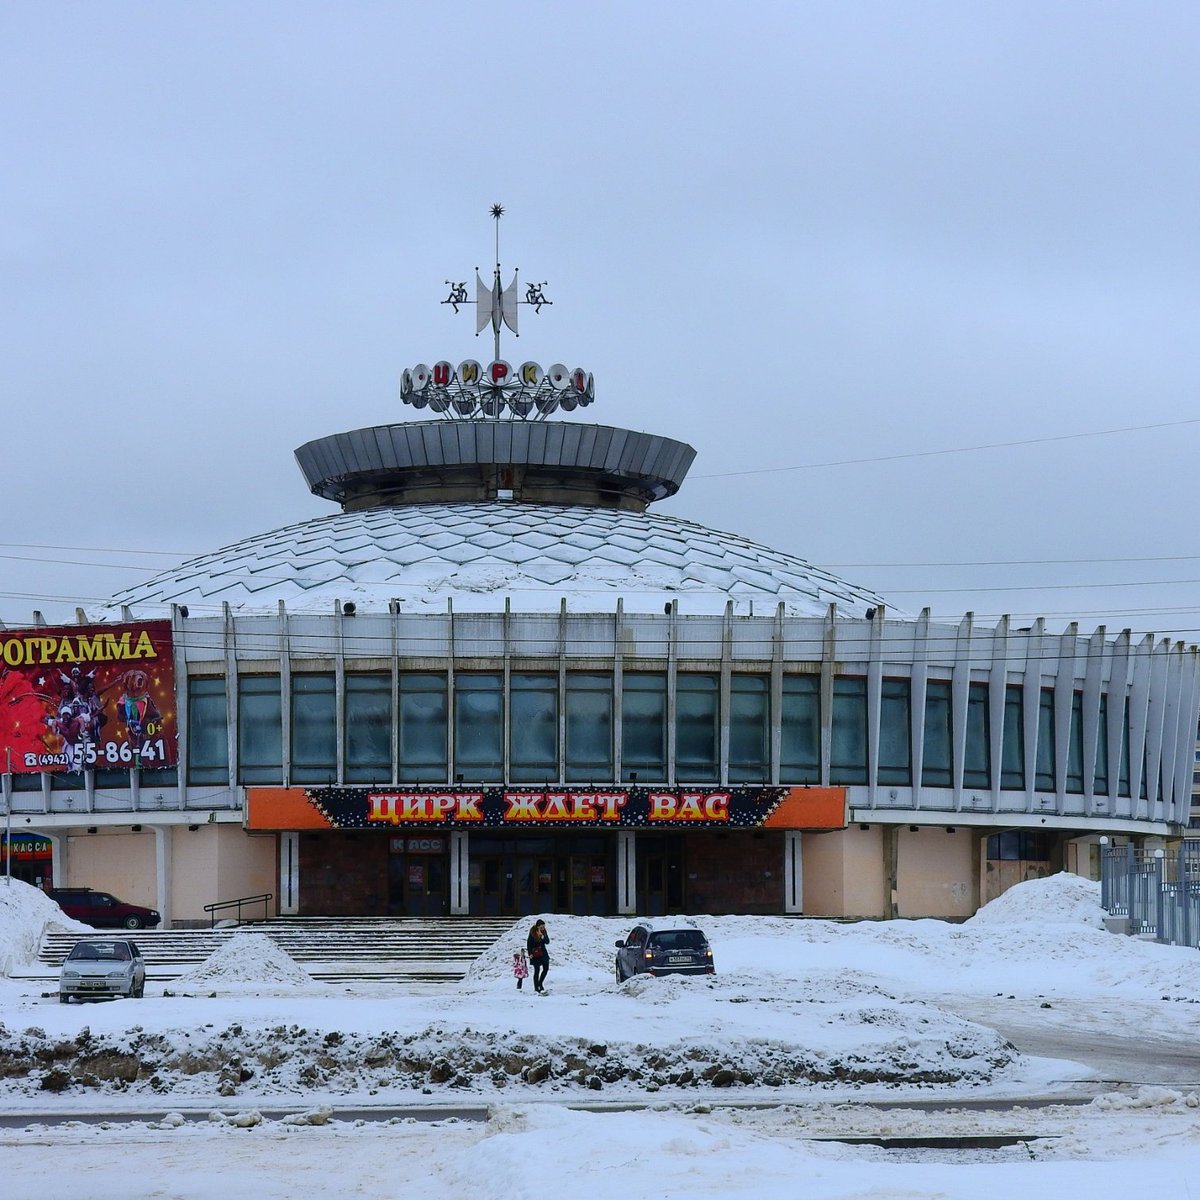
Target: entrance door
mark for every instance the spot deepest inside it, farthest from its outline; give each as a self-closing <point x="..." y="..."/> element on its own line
<point x="514" y="880"/>
<point x="588" y="893"/>
<point x="417" y="878"/>
<point x="517" y="877"/>
<point x="660" y="874"/>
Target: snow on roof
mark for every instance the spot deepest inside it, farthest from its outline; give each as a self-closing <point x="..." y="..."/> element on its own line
<point x="476" y="554"/>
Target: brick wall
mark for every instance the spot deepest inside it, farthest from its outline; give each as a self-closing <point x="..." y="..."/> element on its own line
<point x="343" y="874"/>
<point x="734" y="872"/>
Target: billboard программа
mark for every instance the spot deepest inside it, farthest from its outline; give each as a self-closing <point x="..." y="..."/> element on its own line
<point x="84" y="697"/>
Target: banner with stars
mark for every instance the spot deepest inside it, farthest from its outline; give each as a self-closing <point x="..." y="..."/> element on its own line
<point x="488" y="806"/>
<point x="87" y="697"/>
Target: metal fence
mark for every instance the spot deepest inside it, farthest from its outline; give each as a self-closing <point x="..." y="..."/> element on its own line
<point x="1158" y="891"/>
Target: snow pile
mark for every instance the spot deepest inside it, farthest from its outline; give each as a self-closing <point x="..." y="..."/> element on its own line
<point x="1147" y="1097"/>
<point x="26" y="914"/>
<point x="581" y="950"/>
<point x="1050" y="942"/>
<point x="703" y="1153"/>
<point x="1062" y="899"/>
<point x="694" y="1035"/>
<point x="247" y="963"/>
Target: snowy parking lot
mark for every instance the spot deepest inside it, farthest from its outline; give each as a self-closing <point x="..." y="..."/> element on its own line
<point x="1024" y="1050"/>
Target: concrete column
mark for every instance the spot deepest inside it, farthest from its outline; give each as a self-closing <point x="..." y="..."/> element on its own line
<point x="891" y="872"/>
<point x="162" y="872"/>
<point x="460" y="873"/>
<point x="793" y="871"/>
<point x="626" y="872"/>
<point x="58" y="855"/>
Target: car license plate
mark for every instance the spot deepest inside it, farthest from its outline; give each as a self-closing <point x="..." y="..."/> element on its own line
<point x="679" y="958"/>
<point x="92" y="983"/>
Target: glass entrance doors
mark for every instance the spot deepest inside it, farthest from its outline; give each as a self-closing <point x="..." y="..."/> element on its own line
<point x="417" y="877"/>
<point x="660" y="874"/>
<point x="517" y="877"/>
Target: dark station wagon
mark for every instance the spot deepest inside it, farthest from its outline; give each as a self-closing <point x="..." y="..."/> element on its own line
<point x="652" y="949"/>
<point x="102" y="910"/>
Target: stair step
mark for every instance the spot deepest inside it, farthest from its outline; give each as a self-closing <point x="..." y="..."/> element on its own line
<point x="376" y="949"/>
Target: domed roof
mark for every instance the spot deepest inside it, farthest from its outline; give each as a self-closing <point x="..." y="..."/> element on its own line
<point x="476" y="554"/>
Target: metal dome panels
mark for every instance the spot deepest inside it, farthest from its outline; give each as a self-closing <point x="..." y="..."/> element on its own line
<point x="477" y="554"/>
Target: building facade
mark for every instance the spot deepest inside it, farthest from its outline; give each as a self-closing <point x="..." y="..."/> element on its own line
<point x="496" y="684"/>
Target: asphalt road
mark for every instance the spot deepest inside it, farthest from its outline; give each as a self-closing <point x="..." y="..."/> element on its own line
<point x="1121" y="1042"/>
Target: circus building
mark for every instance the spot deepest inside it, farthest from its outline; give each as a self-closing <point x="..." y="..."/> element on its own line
<point x="495" y="682"/>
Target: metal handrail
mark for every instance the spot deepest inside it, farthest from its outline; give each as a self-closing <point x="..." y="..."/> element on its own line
<point x="213" y="909"/>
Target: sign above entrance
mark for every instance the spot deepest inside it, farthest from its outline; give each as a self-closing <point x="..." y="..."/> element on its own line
<point x="493" y="807"/>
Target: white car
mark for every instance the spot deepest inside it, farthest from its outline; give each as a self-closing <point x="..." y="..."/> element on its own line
<point x="99" y="967"/>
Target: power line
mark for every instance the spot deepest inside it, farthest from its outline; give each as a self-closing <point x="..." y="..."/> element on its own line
<point x="74" y="562"/>
<point x="1043" y="587"/>
<point x="1016" y="562"/>
<point x="850" y="462"/>
<point x="90" y="549"/>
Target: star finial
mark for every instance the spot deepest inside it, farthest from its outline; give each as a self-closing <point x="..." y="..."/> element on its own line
<point x="497" y="211"/>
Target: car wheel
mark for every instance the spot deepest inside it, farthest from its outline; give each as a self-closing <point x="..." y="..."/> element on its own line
<point x="132" y="922"/>
<point x="63" y="998"/>
<point x="138" y="992"/>
<point x="620" y="973"/>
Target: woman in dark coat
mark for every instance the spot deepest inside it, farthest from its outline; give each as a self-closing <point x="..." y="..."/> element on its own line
<point x="539" y="956"/>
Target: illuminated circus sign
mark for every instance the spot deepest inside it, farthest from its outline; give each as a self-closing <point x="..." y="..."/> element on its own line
<point x="472" y="389"/>
<point x="515" y="807"/>
<point x="82" y="697"/>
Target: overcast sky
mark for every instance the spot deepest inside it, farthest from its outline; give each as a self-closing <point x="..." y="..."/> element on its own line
<point x="790" y="234"/>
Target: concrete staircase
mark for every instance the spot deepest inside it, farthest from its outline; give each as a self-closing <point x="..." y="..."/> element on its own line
<point x="331" y="949"/>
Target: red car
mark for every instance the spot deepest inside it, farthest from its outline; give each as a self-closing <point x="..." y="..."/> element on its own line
<point x="102" y="910"/>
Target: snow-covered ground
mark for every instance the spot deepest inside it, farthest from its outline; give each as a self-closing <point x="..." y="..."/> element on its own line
<point x="871" y="1029"/>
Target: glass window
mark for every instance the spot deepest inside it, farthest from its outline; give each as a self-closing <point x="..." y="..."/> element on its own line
<point x="1075" y="746"/>
<point x="1044" y="777"/>
<point x="1016" y="845"/>
<point x="697" y="700"/>
<point x="589" y="726"/>
<point x="895" y="732"/>
<point x="314" y="729"/>
<point x="208" y="732"/>
<point x="158" y="777"/>
<point x="533" y="728"/>
<point x="1101" y="785"/>
<point x="800" y="720"/>
<point x="848" y="748"/>
<point x="935" y="765"/>
<point x="749" y="729"/>
<point x="479" y="726"/>
<point x="110" y="777"/>
<point x="260" y="729"/>
<point x="368" y="703"/>
<point x="1012" y="754"/>
<point x="977" y="761"/>
<point x="422" y="728"/>
<point x="644" y="725"/>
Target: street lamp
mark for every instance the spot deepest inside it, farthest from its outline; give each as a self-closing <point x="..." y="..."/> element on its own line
<point x="8" y="818"/>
